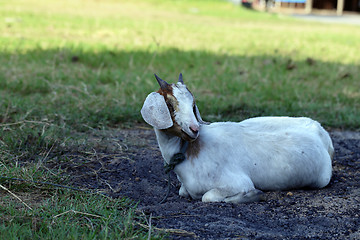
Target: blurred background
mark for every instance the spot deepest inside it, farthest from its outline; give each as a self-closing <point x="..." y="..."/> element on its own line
<point x="89" y="64"/>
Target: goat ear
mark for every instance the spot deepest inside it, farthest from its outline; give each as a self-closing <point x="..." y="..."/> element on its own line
<point x="155" y="111"/>
<point x="198" y="116"/>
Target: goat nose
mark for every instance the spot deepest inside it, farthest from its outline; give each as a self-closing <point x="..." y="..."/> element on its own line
<point x="194" y="129"/>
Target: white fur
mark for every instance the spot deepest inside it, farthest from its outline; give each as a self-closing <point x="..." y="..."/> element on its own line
<point x="185" y="116"/>
<point x="155" y="112"/>
<point x="237" y="159"/>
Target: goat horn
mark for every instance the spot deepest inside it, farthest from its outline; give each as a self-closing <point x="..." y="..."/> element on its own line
<point x="163" y="84"/>
<point x="181" y="78"/>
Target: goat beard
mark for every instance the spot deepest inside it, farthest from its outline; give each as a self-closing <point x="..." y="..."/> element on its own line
<point x="186" y="137"/>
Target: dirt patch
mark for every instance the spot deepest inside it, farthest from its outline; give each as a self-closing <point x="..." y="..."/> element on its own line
<point x="128" y="163"/>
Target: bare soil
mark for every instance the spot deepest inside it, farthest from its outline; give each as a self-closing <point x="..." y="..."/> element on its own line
<point x="128" y="163"/>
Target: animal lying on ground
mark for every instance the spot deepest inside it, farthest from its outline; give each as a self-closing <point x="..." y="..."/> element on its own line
<point x="233" y="162"/>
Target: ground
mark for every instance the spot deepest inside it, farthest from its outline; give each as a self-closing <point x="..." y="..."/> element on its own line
<point x="128" y="163"/>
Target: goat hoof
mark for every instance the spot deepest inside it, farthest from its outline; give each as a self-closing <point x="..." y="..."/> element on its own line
<point x="254" y="195"/>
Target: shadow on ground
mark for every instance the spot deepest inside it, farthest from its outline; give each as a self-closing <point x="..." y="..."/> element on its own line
<point x="82" y="88"/>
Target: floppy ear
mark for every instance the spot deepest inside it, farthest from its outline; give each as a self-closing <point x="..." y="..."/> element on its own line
<point x="155" y="111"/>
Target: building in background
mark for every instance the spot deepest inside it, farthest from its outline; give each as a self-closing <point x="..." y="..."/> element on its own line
<point x="307" y="6"/>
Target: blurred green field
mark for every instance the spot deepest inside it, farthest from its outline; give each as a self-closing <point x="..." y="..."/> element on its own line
<point x="91" y="63"/>
<point x="68" y="67"/>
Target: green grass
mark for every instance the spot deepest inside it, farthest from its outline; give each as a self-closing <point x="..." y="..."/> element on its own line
<point x="36" y="200"/>
<point x="64" y="215"/>
<point x="231" y="58"/>
<point x="68" y="67"/>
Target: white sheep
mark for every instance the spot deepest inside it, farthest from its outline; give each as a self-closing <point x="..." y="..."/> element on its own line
<point x="232" y="162"/>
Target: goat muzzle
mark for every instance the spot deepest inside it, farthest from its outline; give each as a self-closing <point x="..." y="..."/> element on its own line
<point x="190" y="137"/>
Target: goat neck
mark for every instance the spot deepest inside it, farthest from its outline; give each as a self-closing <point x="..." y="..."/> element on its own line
<point x="168" y="143"/>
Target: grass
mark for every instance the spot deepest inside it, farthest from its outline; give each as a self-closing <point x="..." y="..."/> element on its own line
<point x="101" y="60"/>
<point x="66" y="215"/>
<point x="35" y="203"/>
<point x="69" y="67"/>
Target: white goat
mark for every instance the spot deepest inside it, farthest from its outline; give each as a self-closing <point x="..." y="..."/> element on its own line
<point x="229" y="161"/>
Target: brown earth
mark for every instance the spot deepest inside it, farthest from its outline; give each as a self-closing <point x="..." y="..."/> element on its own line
<point x="128" y="163"/>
